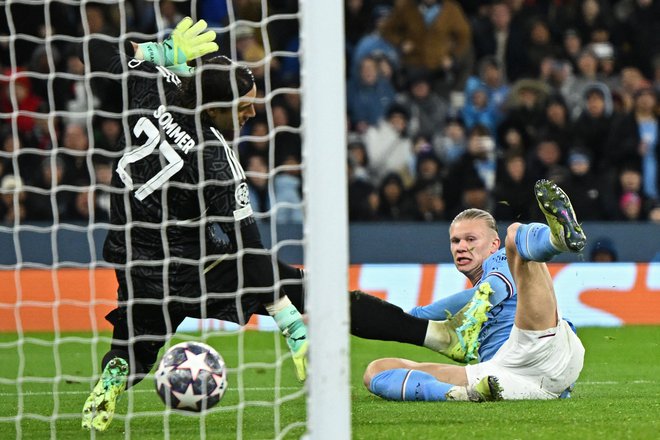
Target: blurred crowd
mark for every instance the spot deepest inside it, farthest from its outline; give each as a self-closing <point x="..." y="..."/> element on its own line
<point x="450" y="105"/>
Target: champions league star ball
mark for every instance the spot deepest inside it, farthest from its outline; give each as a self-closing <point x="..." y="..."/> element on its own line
<point x="191" y="376"/>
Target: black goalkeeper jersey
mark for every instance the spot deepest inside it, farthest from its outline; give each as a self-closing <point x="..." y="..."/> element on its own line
<point x="177" y="173"/>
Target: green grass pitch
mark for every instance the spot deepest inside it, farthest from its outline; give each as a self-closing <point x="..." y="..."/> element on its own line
<point x="617" y="396"/>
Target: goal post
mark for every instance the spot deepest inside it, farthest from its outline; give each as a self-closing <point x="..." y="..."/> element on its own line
<point x="326" y="231"/>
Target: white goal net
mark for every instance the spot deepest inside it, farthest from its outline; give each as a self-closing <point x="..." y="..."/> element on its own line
<point x="59" y="132"/>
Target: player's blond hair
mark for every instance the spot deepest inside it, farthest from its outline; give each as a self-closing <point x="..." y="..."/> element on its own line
<point x="476" y="214"/>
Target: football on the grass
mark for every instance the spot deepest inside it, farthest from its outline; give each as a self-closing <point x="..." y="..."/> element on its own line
<point x="191" y="376"/>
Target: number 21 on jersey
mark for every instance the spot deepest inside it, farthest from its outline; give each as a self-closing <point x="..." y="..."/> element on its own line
<point x="174" y="161"/>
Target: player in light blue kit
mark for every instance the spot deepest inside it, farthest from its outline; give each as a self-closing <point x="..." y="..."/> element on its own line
<point x="465" y="326"/>
<point x="475" y="248"/>
<point x="542" y="356"/>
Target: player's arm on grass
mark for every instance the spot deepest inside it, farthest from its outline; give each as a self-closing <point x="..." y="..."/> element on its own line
<point x="437" y="311"/>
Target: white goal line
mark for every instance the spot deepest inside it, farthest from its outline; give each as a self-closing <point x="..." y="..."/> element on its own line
<point x="48" y="393"/>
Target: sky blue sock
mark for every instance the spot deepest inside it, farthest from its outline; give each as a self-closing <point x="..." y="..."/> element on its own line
<point x="533" y="242"/>
<point x="409" y="385"/>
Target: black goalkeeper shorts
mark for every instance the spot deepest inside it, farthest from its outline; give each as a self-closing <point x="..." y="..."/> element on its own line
<point x="145" y="313"/>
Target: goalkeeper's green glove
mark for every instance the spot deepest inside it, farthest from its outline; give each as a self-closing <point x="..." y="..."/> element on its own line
<point x="187" y="42"/>
<point x="294" y="330"/>
<point x="182" y="69"/>
<point x="299" y="345"/>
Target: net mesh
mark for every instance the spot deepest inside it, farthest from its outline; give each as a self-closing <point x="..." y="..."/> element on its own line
<point x="59" y="125"/>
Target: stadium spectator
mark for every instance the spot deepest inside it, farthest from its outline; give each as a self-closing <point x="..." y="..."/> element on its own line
<point x="656" y="73"/>
<point x="654" y="215"/>
<point x="51" y="203"/>
<point x="258" y="142"/>
<point x="592" y="16"/>
<point x="640" y="33"/>
<point x="78" y="101"/>
<point x="480" y="110"/>
<point x="287" y="187"/>
<point x="539" y="45"/>
<point x="12" y="200"/>
<point x="41" y="136"/>
<point x="571" y="47"/>
<point x="357" y="23"/>
<point x="603" y="251"/>
<point x="373" y="44"/>
<point x="435" y="36"/>
<point x="608" y="67"/>
<point x="474" y="195"/>
<point x="107" y="134"/>
<point x="525" y="109"/>
<point x="491" y="77"/>
<point x="389" y="147"/>
<point x="369" y="95"/>
<point x="478" y="163"/>
<point x="594" y="125"/>
<point x="84" y="208"/>
<point x="103" y="171"/>
<point x="632" y="81"/>
<point x="169" y="14"/>
<point x="256" y="172"/>
<point x="357" y="154"/>
<point x="584" y="186"/>
<point x="513" y="141"/>
<point x="526" y="366"/>
<point x="497" y="36"/>
<point x="557" y="124"/>
<point x="13" y="149"/>
<point x="428" y="204"/>
<point x="427" y="164"/>
<point x="393" y="201"/>
<point x="631" y="207"/>
<point x="585" y="77"/>
<point x="363" y="202"/>
<point x="16" y="95"/>
<point x="426" y="108"/>
<point x="628" y="182"/>
<point x="635" y="139"/>
<point x="74" y="152"/>
<point x="546" y="156"/>
<point x="451" y="145"/>
<point x="513" y="199"/>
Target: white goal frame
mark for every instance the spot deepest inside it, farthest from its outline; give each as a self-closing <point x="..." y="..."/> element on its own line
<point x="326" y="228"/>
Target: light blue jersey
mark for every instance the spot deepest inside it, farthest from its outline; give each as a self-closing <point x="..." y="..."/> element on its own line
<point x="497" y="328"/>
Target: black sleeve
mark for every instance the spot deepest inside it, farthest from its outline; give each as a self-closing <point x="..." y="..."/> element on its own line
<point x="104" y="56"/>
<point x="257" y="266"/>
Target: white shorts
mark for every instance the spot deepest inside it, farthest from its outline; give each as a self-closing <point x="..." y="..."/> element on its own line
<point x="534" y="364"/>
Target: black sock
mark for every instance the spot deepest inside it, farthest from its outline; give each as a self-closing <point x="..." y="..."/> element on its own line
<point x="373" y="318"/>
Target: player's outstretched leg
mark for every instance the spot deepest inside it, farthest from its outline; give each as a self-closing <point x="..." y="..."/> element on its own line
<point x="566" y="232"/>
<point x="463" y="328"/>
<point x="99" y="408"/>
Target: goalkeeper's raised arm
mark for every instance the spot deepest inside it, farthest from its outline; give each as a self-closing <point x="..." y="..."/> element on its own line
<point x="188" y="41"/>
<point x="177" y="177"/>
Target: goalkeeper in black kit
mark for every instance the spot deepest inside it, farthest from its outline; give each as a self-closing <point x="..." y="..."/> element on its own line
<point x="177" y="179"/>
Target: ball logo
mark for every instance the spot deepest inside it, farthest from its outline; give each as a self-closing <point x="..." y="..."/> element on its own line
<point x="242" y="195"/>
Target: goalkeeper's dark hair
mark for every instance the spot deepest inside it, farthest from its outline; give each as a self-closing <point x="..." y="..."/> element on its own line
<point x="219" y="80"/>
